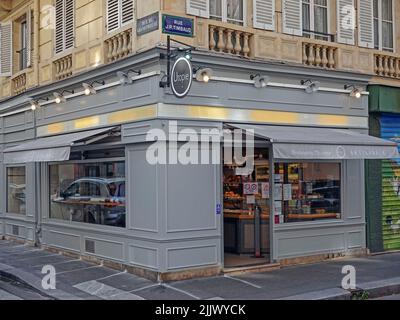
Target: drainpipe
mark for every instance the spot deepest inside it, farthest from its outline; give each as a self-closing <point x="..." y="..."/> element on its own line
<point x="36" y="28"/>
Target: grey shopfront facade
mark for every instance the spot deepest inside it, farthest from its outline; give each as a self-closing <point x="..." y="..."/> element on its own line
<point x="172" y="222"/>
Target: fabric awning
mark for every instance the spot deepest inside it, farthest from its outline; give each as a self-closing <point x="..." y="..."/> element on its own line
<point x="55" y="148"/>
<point x="322" y="143"/>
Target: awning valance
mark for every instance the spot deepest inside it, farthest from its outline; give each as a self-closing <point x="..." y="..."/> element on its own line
<point x="55" y="148"/>
<point x="322" y="143"/>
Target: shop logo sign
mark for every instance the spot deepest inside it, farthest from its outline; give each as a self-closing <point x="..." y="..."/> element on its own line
<point x="181" y="77"/>
<point x="340" y="152"/>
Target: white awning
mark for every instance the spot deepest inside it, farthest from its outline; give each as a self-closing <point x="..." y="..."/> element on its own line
<point x="55" y="148"/>
<point x="322" y="143"/>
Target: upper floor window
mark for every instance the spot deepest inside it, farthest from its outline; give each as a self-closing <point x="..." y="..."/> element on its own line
<point x="119" y="13"/>
<point x="383" y="25"/>
<point x="315" y="19"/>
<point x="231" y="11"/>
<point x="65" y="25"/>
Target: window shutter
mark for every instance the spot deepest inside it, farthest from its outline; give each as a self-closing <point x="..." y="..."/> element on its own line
<point x="292" y="13"/>
<point x="200" y="8"/>
<point x="112" y="15"/>
<point x="29" y="38"/>
<point x="365" y="23"/>
<point x="264" y="14"/>
<point x="127" y="11"/>
<point x="59" y="30"/>
<point x="6" y="49"/>
<point x="345" y="21"/>
<point x="69" y="34"/>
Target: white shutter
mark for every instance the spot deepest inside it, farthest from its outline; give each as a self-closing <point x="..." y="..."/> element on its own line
<point x="29" y="38"/>
<point x="292" y="16"/>
<point x="200" y="8"/>
<point x="113" y="9"/>
<point x="59" y="28"/>
<point x="366" y="23"/>
<point x="127" y="11"/>
<point x="264" y="14"/>
<point x="6" y="49"/>
<point x="345" y="21"/>
<point x="69" y="31"/>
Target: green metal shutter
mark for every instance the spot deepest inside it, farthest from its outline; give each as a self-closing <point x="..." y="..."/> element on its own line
<point x="390" y="130"/>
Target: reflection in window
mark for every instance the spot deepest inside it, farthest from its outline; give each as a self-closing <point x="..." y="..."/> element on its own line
<point x="383" y="24"/>
<point x="16" y="186"/>
<point x="307" y="191"/>
<point x="88" y="192"/>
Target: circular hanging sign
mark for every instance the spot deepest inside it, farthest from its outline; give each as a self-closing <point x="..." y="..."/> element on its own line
<point x="181" y="77"/>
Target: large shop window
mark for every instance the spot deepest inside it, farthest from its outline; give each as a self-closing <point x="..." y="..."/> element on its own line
<point x="307" y="191"/>
<point x="88" y="192"/>
<point x="231" y="11"/>
<point x="16" y="186"/>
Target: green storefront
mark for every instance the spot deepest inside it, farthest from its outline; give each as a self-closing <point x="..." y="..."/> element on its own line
<point x="383" y="176"/>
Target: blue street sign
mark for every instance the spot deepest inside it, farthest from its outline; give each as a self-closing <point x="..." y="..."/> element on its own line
<point x="179" y="26"/>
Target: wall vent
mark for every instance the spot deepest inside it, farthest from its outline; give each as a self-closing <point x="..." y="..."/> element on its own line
<point x="90" y="246"/>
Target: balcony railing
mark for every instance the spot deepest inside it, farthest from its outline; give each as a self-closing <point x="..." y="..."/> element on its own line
<point x="387" y="66"/>
<point x="319" y="55"/>
<point x="228" y="40"/>
<point x="63" y="67"/>
<point x="19" y="84"/>
<point x="119" y="46"/>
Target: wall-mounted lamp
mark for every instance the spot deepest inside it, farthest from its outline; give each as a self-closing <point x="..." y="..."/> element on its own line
<point x="59" y="97"/>
<point x="124" y="77"/>
<point x="203" y="74"/>
<point x="35" y="103"/>
<point x="311" y="86"/>
<point x="260" y="81"/>
<point x="89" y="89"/>
<point x="355" y="92"/>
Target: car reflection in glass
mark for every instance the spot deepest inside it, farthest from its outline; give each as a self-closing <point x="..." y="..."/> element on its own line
<point x="95" y="200"/>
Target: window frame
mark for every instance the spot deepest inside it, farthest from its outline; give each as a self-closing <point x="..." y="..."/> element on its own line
<point x="7" y="188"/>
<point x="342" y="164"/>
<point x="82" y="224"/>
<point x="312" y="34"/>
<point x="224" y="12"/>
<point x="380" y="26"/>
<point x="23" y="57"/>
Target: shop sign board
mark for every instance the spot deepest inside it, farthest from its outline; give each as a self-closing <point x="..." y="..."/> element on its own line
<point x="148" y="24"/>
<point x="181" y="77"/>
<point x="179" y="26"/>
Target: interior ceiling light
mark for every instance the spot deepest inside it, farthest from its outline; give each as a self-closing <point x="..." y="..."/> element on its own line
<point x="260" y="81"/>
<point x="355" y="92"/>
<point x="311" y="86"/>
<point x="204" y="74"/>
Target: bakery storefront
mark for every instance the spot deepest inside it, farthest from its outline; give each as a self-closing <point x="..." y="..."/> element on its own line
<point x="300" y="181"/>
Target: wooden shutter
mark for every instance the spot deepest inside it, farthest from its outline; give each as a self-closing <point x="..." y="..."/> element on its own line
<point x="345" y="30"/>
<point x="200" y="8"/>
<point x="6" y="49"/>
<point x="69" y="34"/>
<point x="59" y="28"/>
<point x="127" y="11"/>
<point x="29" y="38"/>
<point x="113" y="9"/>
<point x="292" y="15"/>
<point x="366" y="23"/>
<point x="264" y="14"/>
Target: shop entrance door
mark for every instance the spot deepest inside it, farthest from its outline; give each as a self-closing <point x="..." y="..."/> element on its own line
<point x="246" y="200"/>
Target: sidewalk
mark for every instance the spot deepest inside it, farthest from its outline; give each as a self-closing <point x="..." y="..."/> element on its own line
<point x="379" y="275"/>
